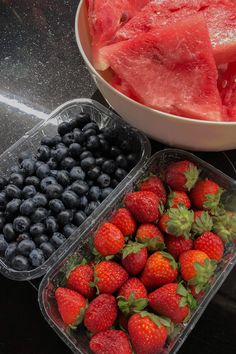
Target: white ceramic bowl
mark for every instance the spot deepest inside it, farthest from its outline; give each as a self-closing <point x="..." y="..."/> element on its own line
<point x="172" y="130"/>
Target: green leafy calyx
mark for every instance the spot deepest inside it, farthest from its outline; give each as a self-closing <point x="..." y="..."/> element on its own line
<point x="180" y="221"/>
<point x="159" y="321"/>
<point x="191" y="175"/>
<point x="202" y="224"/>
<point x="132" y="247"/>
<point x="225" y="226"/>
<point x="203" y="274"/>
<point x="132" y="305"/>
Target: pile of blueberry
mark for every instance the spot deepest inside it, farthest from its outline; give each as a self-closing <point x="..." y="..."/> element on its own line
<point x="50" y="194"/>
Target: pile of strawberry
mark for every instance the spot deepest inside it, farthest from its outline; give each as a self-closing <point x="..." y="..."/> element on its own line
<point x="153" y="261"/>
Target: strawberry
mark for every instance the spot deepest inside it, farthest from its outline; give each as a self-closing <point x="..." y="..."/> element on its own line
<point x="132" y="296"/>
<point x="123" y="219"/>
<point x="206" y="195"/>
<point x="173" y="301"/>
<point x="154" y="184"/>
<point x="143" y="205"/>
<point x="148" y="332"/>
<point x="196" y="268"/>
<point x="79" y="280"/>
<point x="101" y="313"/>
<point x="202" y="222"/>
<point x="151" y="236"/>
<point x="177" y="245"/>
<point x="225" y="226"/>
<point x="178" y="198"/>
<point x="211" y="244"/>
<point x="182" y="175"/>
<point x="134" y="257"/>
<point x="109" y="240"/>
<point x="109" y="277"/>
<point x="112" y="341"/>
<point x="71" y="306"/>
<point x="123" y="321"/>
<point x="160" y="269"/>
<point x="177" y="221"/>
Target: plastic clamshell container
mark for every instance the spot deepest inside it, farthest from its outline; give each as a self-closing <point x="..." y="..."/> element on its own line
<point x="77" y="340"/>
<point x="30" y="142"/>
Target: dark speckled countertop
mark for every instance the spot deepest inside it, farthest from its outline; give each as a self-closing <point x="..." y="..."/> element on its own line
<point x="40" y="68"/>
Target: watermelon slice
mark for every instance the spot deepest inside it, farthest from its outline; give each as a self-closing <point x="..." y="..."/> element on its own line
<point x="173" y="71"/>
<point x="123" y="87"/>
<point x="106" y="17"/>
<point x="227" y="88"/>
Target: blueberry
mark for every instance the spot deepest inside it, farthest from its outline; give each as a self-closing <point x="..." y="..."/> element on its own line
<point x="21" y="224"/>
<point x="85" y="154"/>
<point x="24" y="236"/>
<point x="12" y="191"/>
<point x="24" y="155"/>
<point x="80" y="187"/>
<point x="68" y="139"/>
<point x="77" y="173"/>
<point x="132" y="159"/>
<point x="105" y="192"/>
<point x="36" y="257"/>
<point x="115" y="151"/>
<point x="114" y="183"/>
<point x="125" y="146"/>
<point x="64" y="128"/>
<point x="73" y="123"/>
<point x="120" y="174"/>
<point x="47" y="249"/>
<point x="78" y="136"/>
<point x="43" y="171"/>
<point x="83" y="119"/>
<point x="28" y="192"/>
<point x="53" y="173"/>
<point x="94" y="172"/>
<point x="68" y="230"/>
<point x="93" y="142"/>
<point x="37" y="229"/>
<point x="100" y="161"/>
<point x="3" y="201"/>
<point x="27" y="207"/>
<point x="51" y="225"/>
<point x="57" y="239"/>
<point x="40" y="200"/>
<point x="39" y="215"/>
<point x="9" y="216"/>
<point x="109" y="167"/>
<point x="46" y="182"/>
<point x="89" y="132"/>
<point x="2" y="221"/>
<point x="54" y="191"/>
<point x="25" y="247"/>
<point x="47" y="140"/>
<point x="20" y="263"/>
<point x="43" y="153"/>
<point x="110" y="133"/>
<point x="11" y="251"/>
<point x="38" y="163"/>
<point x="94" y="193"/>
<point x="32" y="180"/>
<point x="40" y="239"/>
<point x="91" y="125"/>
<point x="70" y="199"/>
<point x="68" y="163"/>
<point x="56" y="206"/>
<point x="13" y="206"/>
<point x="104" y="180"/>
<point x="60" y="153"/>
<point x="52" y="163"/>
<point x="91" y="207"/>
<point x="3" y="245"/>
<point x="83" y="202"/>
<point x="9" y="233"/>
<point x="90" y="182"/>
<point x="88" y="163"/>
<point x="75" y="150"/>
<point x="28" y="166"/>
<point x="122" y="161"/>
<point x="104" y="146"/>
<point x="17" y="179"/>
<point x="56" y="140"/>
<point x="63" y="177"/>
<point x="16" y="169"/>
<point x="79" y="218"/>
<point x="65" y="217"/>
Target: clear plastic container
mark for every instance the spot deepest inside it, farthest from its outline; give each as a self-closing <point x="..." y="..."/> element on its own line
<point x="31" y="140"/>
<point x="77" y="340"/>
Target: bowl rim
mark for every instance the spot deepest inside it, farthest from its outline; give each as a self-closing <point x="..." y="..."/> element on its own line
<point x="96" y="73"/>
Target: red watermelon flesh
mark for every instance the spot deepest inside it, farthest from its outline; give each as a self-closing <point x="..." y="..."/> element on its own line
<point x="123" y="87"/>
<point x="105" y="17"/>
<point x="173" y="71"/>
<point x="227" y="88"/>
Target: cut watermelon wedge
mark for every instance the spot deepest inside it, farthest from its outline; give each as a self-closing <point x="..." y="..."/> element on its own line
<point x="173" y="71"/>
<point x="106" y="17"/>
<point x="227" y="88"/>
<point x="123" y="87"/>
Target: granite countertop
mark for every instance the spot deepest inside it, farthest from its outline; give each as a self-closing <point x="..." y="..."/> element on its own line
<point x="40" y="68"/>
